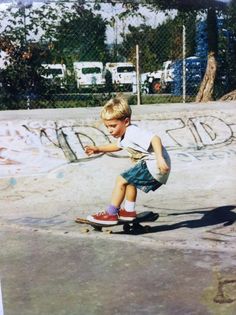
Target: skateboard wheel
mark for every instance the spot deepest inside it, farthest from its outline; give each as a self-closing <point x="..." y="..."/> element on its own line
<point x="98" y="228"/>
<point x="126" y="228"/>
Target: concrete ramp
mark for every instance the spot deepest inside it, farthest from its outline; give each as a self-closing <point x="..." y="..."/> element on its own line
<point x="44" y="172"/>
<point x="200" y="139"/>
<point x="43" y="145"/>
<point x="38" y="142"/>
<point x="51" y="265"/>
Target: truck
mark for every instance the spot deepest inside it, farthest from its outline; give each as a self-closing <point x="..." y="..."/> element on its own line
<point x="158" y="81"/>
<point x="89" y="74"/>
<point x="151" y="82"/>
<point x="56" y="73"/>
<point x="122" y="75"/>
<point x="170" y="78"/>
<point x="167" y="76"/>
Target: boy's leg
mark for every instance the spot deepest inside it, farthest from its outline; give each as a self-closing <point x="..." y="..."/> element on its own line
<point x="128" y="213"/>
<point x="111" y="215"/>
<point x="131" y="193"/>
<point x="119" y="192"/>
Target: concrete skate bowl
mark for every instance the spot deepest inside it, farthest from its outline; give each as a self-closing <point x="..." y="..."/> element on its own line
<point x="46" y="179"/>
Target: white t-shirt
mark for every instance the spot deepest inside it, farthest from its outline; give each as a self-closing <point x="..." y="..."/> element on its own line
<point x="137" y="142"/>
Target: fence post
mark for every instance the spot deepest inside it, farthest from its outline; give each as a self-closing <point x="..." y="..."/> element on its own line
<point x="184" y="63"/>
<point x="137" y="75"/>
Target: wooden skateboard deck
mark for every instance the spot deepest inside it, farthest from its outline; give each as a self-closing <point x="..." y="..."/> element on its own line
<point x="128" y="226"/>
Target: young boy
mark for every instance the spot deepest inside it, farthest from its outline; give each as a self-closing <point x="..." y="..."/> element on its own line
<point x="152" y="162"/>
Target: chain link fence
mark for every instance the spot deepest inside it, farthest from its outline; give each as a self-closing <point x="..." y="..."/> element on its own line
<point x="72" y="54"/>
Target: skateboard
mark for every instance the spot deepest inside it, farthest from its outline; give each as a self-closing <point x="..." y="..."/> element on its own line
<point x="128" y="226"/>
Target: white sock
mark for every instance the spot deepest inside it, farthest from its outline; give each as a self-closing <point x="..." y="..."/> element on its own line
<point x="129" y="206"/>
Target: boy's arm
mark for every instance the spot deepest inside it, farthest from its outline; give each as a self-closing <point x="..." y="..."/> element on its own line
<point x="111" y="147"/>
<point x="157" y="148"/>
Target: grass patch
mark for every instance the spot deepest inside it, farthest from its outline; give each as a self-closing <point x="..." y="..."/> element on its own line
<point x="89" y="100"/>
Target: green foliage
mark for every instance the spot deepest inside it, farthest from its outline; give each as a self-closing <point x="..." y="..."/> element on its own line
<point x="21" y="78"/>
<point x="61" y="33"/>
<point x="185" y="5"/>
<point x="65" y="32"/>
<point x="82" y="37"/>
<point x="232" y="15"/>
<point x="231" y="46"/>
<point x="159" y="44"/>
<point x="159" y="99"/>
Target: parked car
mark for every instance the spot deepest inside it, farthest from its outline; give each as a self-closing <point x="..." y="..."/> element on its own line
<point x="89" y="74"/>
<point x="159" y="81"/>
<point x="123" y="75"/>
<point x="56" y="73"/>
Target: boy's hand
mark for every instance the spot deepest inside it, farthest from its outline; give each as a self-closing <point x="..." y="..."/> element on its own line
<point x="163" y="166"/>
<point x="91" y="149"/>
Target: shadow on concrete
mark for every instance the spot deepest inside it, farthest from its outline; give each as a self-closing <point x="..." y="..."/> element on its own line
<point x="220" y="215"/>
<point x="217" y="215"/>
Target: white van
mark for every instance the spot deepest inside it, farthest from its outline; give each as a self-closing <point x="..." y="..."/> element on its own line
<point x="56" y="73"/>
<point x="89" y="74"/>
<point x="167" y="75"/>
<point x="123" y="74"/>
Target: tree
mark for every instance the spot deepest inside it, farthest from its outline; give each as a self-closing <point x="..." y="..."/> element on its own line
<point x="211" y="7"/>
<point x="206" y="90"/>
<point x="45" y="34"/>
<point x="82" y="36"/>
<point x="231" y="95"/>
<point x="207" y="86"/>
<point x="159" y="44"/>
<point x="50" y="33"/>
<point x="21" y="79"/>
<point x="144" y="37"/>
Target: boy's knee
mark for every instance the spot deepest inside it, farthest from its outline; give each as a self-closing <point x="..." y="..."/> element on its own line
<point x="121" y="181"/>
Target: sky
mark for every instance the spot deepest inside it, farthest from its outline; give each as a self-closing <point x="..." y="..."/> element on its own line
<point x="113" y="34"/>
<point x="107" y="10"/>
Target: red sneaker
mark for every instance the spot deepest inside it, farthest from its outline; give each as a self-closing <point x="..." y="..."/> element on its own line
<point x="103" y="218"/>
<point x="127" y="215"/>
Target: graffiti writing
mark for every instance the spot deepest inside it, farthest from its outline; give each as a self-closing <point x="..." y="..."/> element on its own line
<point x="221" y="296"/>
<point x="47" y="144"/>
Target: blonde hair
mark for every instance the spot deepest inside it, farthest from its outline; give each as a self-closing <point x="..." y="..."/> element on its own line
<point x="116" y="108"/>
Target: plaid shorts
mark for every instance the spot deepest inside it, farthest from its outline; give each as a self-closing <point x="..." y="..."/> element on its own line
<point x="140" y="177"/>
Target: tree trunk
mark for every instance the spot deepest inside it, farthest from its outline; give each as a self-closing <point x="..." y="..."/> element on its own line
<point x="205" y="92"/>
<point x="231" y="96"/>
